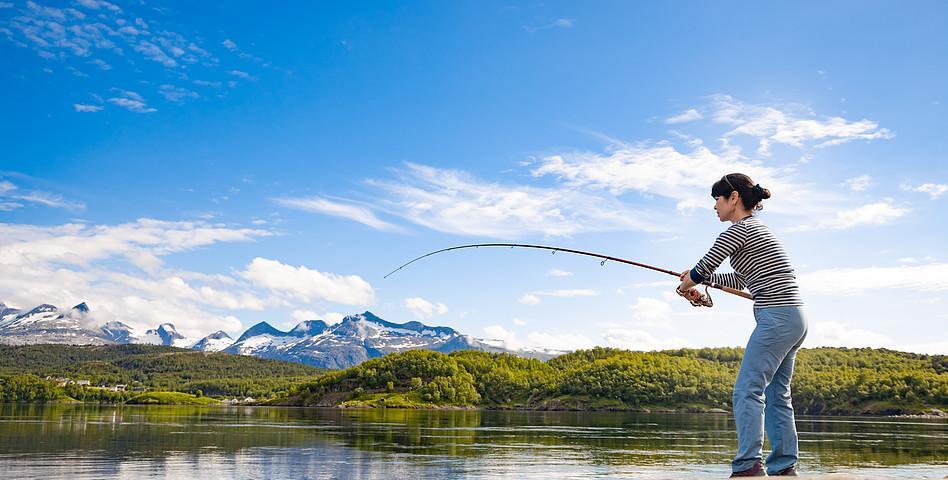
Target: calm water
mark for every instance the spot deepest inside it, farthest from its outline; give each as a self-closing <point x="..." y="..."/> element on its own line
<point x="91" y="442"/>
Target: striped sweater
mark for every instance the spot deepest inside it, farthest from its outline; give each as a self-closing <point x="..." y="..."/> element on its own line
<point x="760" y="263"/>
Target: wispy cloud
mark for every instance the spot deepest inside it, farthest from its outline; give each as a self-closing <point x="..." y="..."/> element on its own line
<point x="103" y="34"/>
<point x="559" y="273"/>
<point x="934" y="190"/>
<point x="13" y="197"/>
<point x="349" y="211"/>
<point x="666" y="169"/>
<point x="792" y="126"/>
<point x="858" y="184"/>
<point x="131" y="101"/>
<point x="879" y="213"/>
<point x="929" y="277"/>
<point x="533" y="298"/>
<point x="176" y="94"/>
<point x="689" y="115"/>
<point x="456" y="202"/>
<point x="558" y="23"/>
<point x="80" y="107"/>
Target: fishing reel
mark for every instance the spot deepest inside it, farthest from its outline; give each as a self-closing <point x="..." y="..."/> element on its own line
<point x="703" y="301"/>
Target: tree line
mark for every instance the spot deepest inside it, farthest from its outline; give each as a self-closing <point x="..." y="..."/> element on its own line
<point x="826" y="380"/>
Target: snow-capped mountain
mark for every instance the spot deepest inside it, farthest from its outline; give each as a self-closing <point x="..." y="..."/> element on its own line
<point x="47" y="324"/>
<point x="355" y="339"/>
<point x="168" y="336"/>
<point x="214" y="342"/>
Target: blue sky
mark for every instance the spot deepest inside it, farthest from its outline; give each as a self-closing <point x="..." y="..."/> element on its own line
<point x="214" y="166"/>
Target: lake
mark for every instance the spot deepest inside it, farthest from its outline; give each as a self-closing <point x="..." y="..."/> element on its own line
<point x="92" y="442"/>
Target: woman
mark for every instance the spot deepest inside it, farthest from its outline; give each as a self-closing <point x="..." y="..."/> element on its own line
<point x="762" y="390"/>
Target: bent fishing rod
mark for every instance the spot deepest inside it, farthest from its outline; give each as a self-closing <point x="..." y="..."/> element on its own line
<point x="704" y="301"/>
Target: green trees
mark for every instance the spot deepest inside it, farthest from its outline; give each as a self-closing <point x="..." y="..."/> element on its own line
<point x="149" y="366"/>
<point x="827" y="380"/>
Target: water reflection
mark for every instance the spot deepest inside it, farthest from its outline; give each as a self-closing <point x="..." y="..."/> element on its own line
<point x="83" y="441"/>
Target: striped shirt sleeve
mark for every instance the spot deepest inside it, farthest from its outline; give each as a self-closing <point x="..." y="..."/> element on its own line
<point x="728" y="242"/>
<point x="732" y="280"/>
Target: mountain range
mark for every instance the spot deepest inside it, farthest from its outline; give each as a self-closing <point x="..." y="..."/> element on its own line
<point x="354" y="340"/>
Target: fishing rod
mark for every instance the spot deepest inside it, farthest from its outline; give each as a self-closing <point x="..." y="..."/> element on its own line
<point x="704" y="301"/>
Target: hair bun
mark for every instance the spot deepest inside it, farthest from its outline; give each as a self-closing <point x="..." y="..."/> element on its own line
<point x="761" y="192"/>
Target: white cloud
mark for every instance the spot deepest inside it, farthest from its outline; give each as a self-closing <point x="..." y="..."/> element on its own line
<point x="662" y="170"/>
<point x="229" y="44"/>
<point x="154" y="52"/>
<point x="12" y="197"/>
<point x="689" y="115"/>
<point x="642" y="340"/>
<point x="834" y="334"/>
<point x="858" y="184"/>
<point x="518" y="322"/>
<point x="559" y="340"/>
<point x="879" y="213"/>
<point x="66" y="264"/>
<point x="131" y="101"/>
<point x="855" y="281"/>
<point x="533" y="298"/>
<point x="86" y="108"/>
<point x="934" y="190"/>
<point x="507" y="337"/>
<point x="337" y="209"/>
<point x="558" y="23"/>
<point x="241" y="74"/>
<point x="308" y="284"/>
<point x="97" y="4"/>
<point x="424" y="309"/>
<point x="80" y="244"/>
<point x="301" y="315"/>
<point x="559" y="273"/>
<point x="529" y="299"/>
<point x="794" y="128"/>
<point x="176" y="94"/>
<point x="651" y="312"/>
<point x="454" y="202"/>
<point x="576" y="292"/>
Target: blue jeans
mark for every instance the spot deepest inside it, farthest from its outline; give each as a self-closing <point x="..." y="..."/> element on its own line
<point x="762" y="389"/>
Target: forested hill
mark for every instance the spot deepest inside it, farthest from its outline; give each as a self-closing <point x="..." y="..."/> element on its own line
<point x="149" y="367"/>
<point x="826" y="381"/>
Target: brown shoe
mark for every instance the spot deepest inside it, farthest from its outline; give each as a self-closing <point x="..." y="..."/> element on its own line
<point x="790" y="471"/>
<point x="756" y="471"/>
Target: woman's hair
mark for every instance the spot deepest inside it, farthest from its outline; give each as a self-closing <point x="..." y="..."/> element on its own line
<point x="750" y="192"/>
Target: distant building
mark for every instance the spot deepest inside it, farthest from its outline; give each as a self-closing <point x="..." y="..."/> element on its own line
<point x="83" y="383"/>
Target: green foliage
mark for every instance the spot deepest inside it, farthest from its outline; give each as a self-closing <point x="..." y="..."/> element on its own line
<point x="151" y="367"/>
<point x="827" y="380"/>
<point x="169" y="398"/>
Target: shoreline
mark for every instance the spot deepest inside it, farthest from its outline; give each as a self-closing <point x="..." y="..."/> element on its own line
<point x="940" y="415"/>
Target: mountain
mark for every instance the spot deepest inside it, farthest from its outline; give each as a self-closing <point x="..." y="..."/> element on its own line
<point x="169" y="336"/>
<point x="354" y="340"/>
<point x="214" y="342"/>
<point x="46" y="324"/>
<point x="118" y="332"/>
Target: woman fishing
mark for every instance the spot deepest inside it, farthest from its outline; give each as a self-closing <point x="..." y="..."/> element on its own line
<point x="761" y="399"/>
